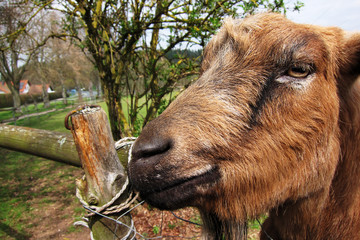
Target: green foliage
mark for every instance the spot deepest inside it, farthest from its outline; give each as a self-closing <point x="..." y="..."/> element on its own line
<point x="156" y="229"/>
<point x="138" y="123"/>
<point x="175" y="55"/>
<point x="171" y="225"/>
<point x="298" y="5"/>
<point x="256" y="224"/>
<point x="163" y="105"/>
<point x="6" y="100"/>
<point x="196" y="219"/>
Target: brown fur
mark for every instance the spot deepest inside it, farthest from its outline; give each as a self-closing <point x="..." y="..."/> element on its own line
<point x="246" y="139"/>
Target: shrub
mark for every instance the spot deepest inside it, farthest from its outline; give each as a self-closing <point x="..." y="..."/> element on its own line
<point x="6" y="100"/>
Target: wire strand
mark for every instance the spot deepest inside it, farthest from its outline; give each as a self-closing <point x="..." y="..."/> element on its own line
<point x="182" y="219"/>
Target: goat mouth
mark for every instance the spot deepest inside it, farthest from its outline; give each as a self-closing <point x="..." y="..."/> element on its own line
<point x="181" y="192"/>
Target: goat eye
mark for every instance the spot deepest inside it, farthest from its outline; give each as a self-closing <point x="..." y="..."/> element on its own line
<point x="298" y="72"/>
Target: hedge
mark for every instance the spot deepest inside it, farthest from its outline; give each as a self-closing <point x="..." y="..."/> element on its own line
<point x="6" y="100"/>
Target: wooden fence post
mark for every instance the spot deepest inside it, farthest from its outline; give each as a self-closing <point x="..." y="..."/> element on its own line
<point x="104" y="175"/>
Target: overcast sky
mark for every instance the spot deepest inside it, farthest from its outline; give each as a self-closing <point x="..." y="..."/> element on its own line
<point x="344" y="14"/>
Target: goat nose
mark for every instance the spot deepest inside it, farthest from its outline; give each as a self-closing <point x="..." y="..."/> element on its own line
<point x="146" y="147"/>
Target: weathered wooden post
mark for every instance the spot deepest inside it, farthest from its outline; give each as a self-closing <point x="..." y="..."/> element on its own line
<point x="105" y="183"/>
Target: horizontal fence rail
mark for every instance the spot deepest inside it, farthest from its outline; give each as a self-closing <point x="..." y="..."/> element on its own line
<point x="52" y="145"/>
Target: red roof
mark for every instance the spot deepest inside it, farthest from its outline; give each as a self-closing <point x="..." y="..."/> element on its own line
<point x="23" y="84"/>
<point x="37" y="89"/>
<point x="4" y="88"/>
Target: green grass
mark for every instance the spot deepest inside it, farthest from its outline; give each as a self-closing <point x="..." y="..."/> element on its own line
<point x="256" y="224"/>
<point x="14" y="201"/>
<point x="30" y="184"/>
<point x="6" y="115"/>
<point x="53" y="121"/>
<point x="32" y="109"/>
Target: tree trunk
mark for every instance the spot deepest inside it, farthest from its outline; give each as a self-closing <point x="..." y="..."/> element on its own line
<point x="35" y="102"/>
<point x="91" y="94"/>
<point x="152" y="111"/>
<point x="119" y="125"/>
<point x="63" y="94"/>
<point x="78" y="90"/>
<point x="17" y="101"/>
<point x="63" y="90"/>
<point x="14" y="89"/>
<point x="99" y="89"/>
<point x="45" y="95"/>
<point x="134" y="110"/>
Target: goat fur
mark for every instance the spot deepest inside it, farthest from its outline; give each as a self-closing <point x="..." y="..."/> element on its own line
<point x="249" y="138"/>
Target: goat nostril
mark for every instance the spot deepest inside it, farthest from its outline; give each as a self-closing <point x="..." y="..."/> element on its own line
<point x="146" y="149"/>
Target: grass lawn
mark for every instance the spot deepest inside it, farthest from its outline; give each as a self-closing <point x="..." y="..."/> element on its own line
<point x="53" y="121"/>
<point x="31" y="109"/>
<point x="37" y="195"/>
<point x="34" y="194"/>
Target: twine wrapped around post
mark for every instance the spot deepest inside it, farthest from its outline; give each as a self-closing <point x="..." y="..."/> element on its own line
<point x="105" y="183"/>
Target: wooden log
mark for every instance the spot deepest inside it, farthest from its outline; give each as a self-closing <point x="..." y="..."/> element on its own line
<point x="104" y="174"/>
<point x="48" y="144"/>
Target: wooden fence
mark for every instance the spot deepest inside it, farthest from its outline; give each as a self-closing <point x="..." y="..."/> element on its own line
<point x="104" y="188"/>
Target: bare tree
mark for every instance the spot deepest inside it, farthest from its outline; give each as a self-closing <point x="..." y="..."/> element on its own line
<point x="59" y="60"/>
<point x="15" y="52"/>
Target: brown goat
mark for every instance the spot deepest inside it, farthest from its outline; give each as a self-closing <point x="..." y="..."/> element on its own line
<point x="272" y="125"/>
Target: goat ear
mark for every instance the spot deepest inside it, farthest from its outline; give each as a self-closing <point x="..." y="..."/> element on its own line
<point x="351" y="57"/>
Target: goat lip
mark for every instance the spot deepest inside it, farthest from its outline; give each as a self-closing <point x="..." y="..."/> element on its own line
<point x="181" y="192"/>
